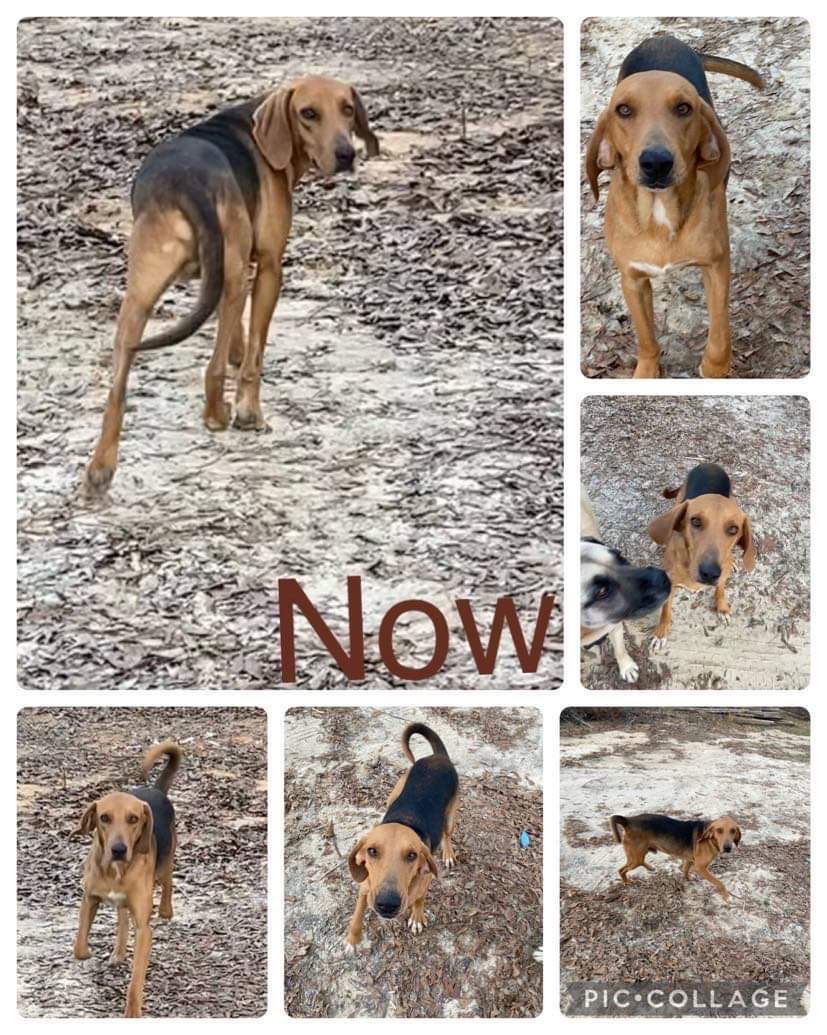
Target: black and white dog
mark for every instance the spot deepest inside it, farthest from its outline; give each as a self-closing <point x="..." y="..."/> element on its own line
<point x="611" y="591"/>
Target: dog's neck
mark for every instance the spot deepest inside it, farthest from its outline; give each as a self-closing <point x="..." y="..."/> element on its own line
<point x="664" y="212"/>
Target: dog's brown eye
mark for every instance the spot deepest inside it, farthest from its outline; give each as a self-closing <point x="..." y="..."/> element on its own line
<point x="411" y="857"/>
<point x="104" y="818"/>
<point x="308" y="113"/>
<point x="696" y="522"/>
<point x="347" y="110"/>
<point x="624" y="111"/>
<point x="732" y="530"/>
<point x="132" y="819"/>
<point x="683" y="109"/>
<point x="373" y="852"/>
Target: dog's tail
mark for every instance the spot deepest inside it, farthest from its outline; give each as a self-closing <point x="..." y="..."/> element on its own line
<point x="173" y="753"/>
<point x="733" y="68"/>
<point x="615" y="822"/>
<point x="201" y="213"/>
<point x="419" y="727"/>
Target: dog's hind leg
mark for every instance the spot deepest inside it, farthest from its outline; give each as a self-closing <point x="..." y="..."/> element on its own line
<point x="155" y="258"/>
<point x="230" y="313"/>
<point x="248" y="413"/>
<point x="448" y="858"/>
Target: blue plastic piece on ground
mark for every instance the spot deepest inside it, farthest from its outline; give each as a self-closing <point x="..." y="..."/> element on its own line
<point x="525" y="840"/>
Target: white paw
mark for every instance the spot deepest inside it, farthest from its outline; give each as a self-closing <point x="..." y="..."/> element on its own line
<point x="350" y="949"/>
<point x="417" y="926"/>
<point x="449" y="862"/>
<point x="724" y="617"/>
<point x="657" y="644"/>
<point x="538" y="954"/>
<point x="628" y="670"/>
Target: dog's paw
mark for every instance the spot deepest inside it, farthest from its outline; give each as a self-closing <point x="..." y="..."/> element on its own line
<point x="350" y="947"/>
<point x="628" y="670"/>
<point x="449" y="861"/>
<point x="417" y="924"/>
<point x="724" y="617"/>
<point x="116" y="958"/>
<point x="658" y="643"/>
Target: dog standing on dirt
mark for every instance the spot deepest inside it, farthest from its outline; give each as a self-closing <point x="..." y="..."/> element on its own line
<point x="611" y="591"/>
<point x="699" y="533"/>
<point x="133" y="850"/>
<point x="697" y="842"/>
<point x="666" y="206"/>
<point x="217" y="201"/>
<point x="393" y="863"/>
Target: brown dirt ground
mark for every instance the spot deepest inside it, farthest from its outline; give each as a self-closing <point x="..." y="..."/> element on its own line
<point x="634" y="448"/>
<point x="769" y="203"/>
<point x="475" y="959"/>
<point x="686" y="763"/>
<point x="412" y="384"/>
<point x="210" y="959"/>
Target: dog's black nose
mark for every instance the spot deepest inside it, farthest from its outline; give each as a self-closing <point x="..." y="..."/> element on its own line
<point x="119" y="850"/>
<point x="727" y="848"/>
<point x="709" y="572"/>
<point x="345" y="154"/>
<point x="387" y="904"/>
<point x="656" y="166"/>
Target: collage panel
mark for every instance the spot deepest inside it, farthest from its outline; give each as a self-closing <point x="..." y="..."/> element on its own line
<point x="685" y="862"/>
<point x="117" y="807"/>
<point x="696" y="260"/>
<point x="399" y="874"/>
<point x="401" y="179"/>
<point x="695" y="542"/>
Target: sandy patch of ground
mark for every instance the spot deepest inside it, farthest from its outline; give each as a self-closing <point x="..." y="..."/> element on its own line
<point x="471" y="961"/>
<point x="768" y="195"/>
<point x="685" y="763"/>
<point x="413" y="378"/>
<point x="210" y="959"/>
<point x="633" y="449"/>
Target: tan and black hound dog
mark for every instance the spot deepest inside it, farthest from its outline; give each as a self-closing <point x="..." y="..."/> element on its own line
<point x="132" y="851"/>
<point x="217" y="201"/>
<point x="393" y="863"/>
<point x="666" y="207"/>
<point x="696" y="842"/>
<point x="700" y="533"/>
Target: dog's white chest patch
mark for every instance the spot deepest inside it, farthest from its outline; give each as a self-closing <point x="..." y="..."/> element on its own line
<point x="117" y="898"/>
<point x="660" y="215"/>
<point x="656" y="271"/>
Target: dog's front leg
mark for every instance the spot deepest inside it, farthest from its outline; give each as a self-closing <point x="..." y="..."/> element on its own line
<point x="88" y="909"/>
<point x="719" y="887"/>
<point x="417" y="921"/>
<point x="626" y="665"/>
<point x="637" y="290"/>
<point x="248" y="412"/>
<point x="143" y="944"/>
<point x="664" y="625"/>
<point x="119" y="952"/>
<point x="354" y="931"/>
<point x="717" y="357"/>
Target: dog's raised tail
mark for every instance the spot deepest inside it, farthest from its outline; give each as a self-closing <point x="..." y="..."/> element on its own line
<point x="173" y="753"/>
<point x="733" y="68"/>
<point x="201" y="214"/>
<point x="437" y="746"/>
<point x="615" y="822"/>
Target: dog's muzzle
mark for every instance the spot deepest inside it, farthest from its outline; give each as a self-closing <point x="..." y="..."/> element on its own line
<point x="344" y="155"/>
<point x="387" y="904"/>
<point x="727" y="847"/>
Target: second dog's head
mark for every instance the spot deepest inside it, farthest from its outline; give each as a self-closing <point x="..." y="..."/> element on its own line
<point x="611" y="590"/>
<point x="392" y="859"/>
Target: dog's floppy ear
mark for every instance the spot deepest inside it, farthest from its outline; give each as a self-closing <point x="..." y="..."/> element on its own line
<point x="600" y="153"/>
<point x="672" y="521"/>
<point x="713" y="153"/>
<point x="144" y="842"/>
<point x="272" y="130"/>
<point x="737" y="838"/>
<point x="89" y="820"/>
<point x="356" y="863"/>
<point x="747" y="545"/>
<point x="361" y="127"/>
<point x="707" y="834"/>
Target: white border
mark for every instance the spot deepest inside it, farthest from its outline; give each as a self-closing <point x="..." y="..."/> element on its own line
<point x="276" y="703"/>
